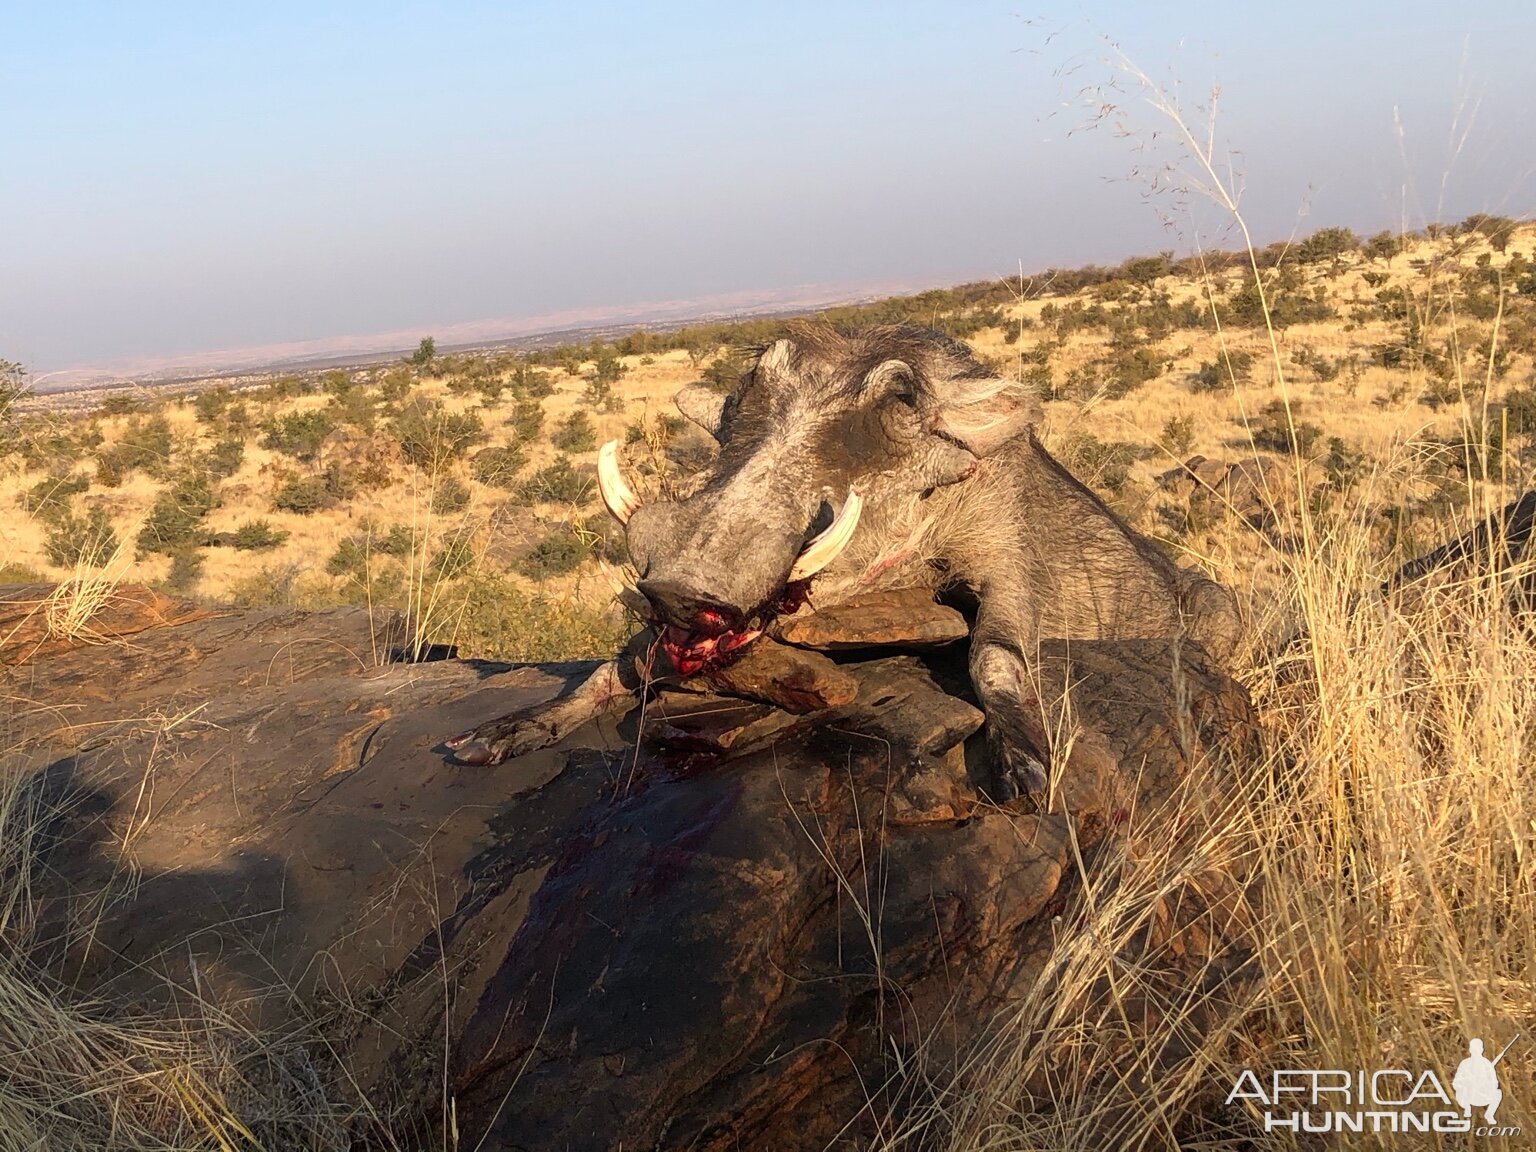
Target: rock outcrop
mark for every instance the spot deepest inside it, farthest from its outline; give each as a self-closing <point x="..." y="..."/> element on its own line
<point x="1252" y="489"/>
<point x="732" y="922"/>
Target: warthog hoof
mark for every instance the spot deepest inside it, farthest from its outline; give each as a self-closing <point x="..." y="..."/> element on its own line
<point x="503" y="739"/>
<point x="1018" y="773"/>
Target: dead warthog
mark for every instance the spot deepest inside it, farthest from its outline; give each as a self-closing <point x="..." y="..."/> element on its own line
<point x="853" y="463"/>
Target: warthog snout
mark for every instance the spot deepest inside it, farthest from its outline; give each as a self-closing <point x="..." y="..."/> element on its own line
<point x="677" y="602"/>
<point x="711" y="580"/>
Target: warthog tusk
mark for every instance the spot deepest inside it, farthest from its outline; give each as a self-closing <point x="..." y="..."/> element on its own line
<point x="830" y="542"/>
<point x="618" y="495"/>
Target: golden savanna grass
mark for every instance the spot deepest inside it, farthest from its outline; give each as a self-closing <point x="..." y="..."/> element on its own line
<point x="1374" y="859"/>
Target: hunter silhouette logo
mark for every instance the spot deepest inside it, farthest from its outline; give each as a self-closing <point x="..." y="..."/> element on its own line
<point x="1476" y="1082"/>
<point x="1381" y="1100"/>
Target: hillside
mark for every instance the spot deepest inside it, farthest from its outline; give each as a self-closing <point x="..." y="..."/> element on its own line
<point x="459" y="487"/>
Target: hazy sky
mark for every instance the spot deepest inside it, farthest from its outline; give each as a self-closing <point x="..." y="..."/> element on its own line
<point x="185" y="177"/>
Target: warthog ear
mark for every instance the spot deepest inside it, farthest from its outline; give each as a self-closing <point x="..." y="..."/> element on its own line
<point x="983" y="415"/>
<point x="704" y="406"/>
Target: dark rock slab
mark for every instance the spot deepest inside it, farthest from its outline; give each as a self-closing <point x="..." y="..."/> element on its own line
<point x="789" y="678"/>
<point x="1252" y="488"/>
<point x="906" y="618"/>
<point x="42" y="620"/>
<point x="686" y="942"/>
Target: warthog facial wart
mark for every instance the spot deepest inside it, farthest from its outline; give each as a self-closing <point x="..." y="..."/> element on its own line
<point x="884" y="459"/>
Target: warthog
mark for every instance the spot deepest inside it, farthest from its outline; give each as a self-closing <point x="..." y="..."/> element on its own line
<point x="886" y="459"/>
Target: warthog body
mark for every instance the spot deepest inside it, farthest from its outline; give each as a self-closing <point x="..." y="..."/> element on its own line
<point x="888" y="459"/>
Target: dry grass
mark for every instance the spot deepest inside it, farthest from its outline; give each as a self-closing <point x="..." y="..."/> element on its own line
<point x="82" y="1076"/>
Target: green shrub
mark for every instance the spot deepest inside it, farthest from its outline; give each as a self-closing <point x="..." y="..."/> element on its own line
<point x="1326" y="244"/>
<point x="111" y="468"/>
<point x="298" y="434"/>
<point x="304" y="495"/>
<point x="44" y="442"/>
<point x="1325" y="369"/>
<point x="1498" y="230"/>
<point x="210" y="405"/>
<point x="1099" y="463"/>
<point x="1146" y="269"/>
<point x="396" y="384"/>
<point x="724" y="374"/>
<point x="431" y="437"/>
<point x="175" y="521"/>
<point x="502" y="620"/>
<point x="121" y="404"/>
<point x="257" y="536"/>
<point x="559" y="552"/>
<point x="1132" y="362"/>
<point x="1272" y="430"/>
<point x="145" y="446"/>
<point x="455" y="558"/>
<point x="575" y="434"/>
<point x="449" y="496"/>
<point x="399" y="541"/>
<point x="527" y="421"/>
<point x="557" y="483"/>
<point x="186" y="570"/>
<point x="1343" y="465"/>
<point x="350" y="558"/>
<point x="1383" y="246"/>
<point x="14" y="573"/>
<point x="605" y="373"/>
<point x="50" y="496"/>
<point x="353" y="555"/>
<point x="498" y="467"/>
<point x="13" y="390"/>
<point x="354" y="408"/>
<point x="269" y="585"/>
<point x="224" y="458"/>
<point x="1285" y="301"/>
<point x="531" y="383"/>
<point x="87" y="539"/>
<point x="425" y="353"/>
<point x="1178" y="435"/>
<point x="1215" y="375"/>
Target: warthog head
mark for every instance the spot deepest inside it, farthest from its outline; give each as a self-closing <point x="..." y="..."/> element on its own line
<point x="826" y="438"/>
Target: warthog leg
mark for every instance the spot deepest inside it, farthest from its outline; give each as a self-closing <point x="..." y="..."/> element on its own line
<point x="609" y="692"/>
<point x="1000" y="676"/>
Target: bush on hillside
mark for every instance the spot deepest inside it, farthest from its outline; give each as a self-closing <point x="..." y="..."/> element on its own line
<point x="175" y="520"/>
<point x="298" y="434"/>
<point x="431" y="437"/>
<point x="557" y="483"/>
<point x="87" y="539"/>
<point x="575" y="433"/>
<point x="257" y="536"/>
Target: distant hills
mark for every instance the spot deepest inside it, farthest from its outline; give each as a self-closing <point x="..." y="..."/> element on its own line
<point x="517" y="332"/>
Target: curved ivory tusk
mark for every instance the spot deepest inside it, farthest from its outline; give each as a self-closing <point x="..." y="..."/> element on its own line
<point x="830" y="542"/>
<point x="617" y="495"/>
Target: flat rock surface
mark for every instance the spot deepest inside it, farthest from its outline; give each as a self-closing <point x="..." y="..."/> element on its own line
<point x="788" y="678"/>
<point x="636" y="939"/>
<point x="907" y="618"/>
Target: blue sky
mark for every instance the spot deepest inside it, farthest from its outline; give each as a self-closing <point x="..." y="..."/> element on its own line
<point x="186" y="177"/>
